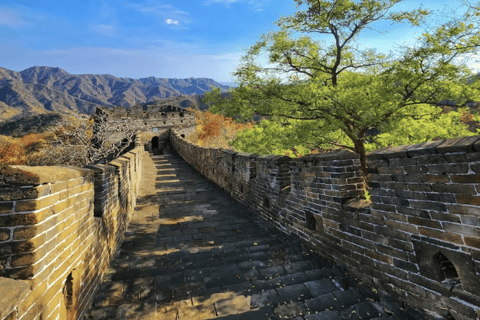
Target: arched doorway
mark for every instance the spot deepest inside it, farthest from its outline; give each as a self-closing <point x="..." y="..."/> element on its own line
<point x="155" y="143"/>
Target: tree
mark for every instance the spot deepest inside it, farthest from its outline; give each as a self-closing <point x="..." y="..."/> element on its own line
<point x="215" y="130"/>
<point x="336" y="91"/>
<point x="79" y="142"/>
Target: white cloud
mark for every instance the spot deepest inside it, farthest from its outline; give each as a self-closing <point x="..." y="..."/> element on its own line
<point x="170" y="21"/>
<point x="168" y="13"/>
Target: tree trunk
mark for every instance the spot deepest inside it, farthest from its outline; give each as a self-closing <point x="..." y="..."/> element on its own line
<point x="360" y="150"/>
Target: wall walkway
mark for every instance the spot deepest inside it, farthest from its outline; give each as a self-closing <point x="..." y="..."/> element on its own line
<point x="192" y="252"/>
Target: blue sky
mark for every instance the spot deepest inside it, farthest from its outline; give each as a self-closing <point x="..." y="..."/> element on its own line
<point x="141" y="38"/>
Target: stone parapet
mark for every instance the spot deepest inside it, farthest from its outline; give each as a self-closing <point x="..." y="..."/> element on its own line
<point x="418" y="237"/>
<point x="59" y="229"/>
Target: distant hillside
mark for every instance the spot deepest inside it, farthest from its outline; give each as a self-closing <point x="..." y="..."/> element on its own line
<point x="40" y="90"/>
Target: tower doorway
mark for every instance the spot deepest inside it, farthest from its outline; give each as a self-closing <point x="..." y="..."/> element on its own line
<point x="155" y="143"/>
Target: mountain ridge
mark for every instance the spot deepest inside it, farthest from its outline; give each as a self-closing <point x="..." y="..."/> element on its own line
<point x="42" y="89"/>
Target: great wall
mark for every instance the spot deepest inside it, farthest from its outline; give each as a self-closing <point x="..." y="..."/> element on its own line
<point x="417" y="240"/>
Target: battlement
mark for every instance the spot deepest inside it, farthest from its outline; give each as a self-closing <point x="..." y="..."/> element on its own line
<point x="155" y="118"/>
<point x="419" y="236"/>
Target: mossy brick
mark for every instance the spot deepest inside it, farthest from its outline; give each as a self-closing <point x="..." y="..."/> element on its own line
<point x="464" y="144"/>
<point x="36" y="204"/>
<point x="437" y="234"/>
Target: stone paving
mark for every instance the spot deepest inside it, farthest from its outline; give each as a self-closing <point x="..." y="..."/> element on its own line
<point x="191" y="252"/>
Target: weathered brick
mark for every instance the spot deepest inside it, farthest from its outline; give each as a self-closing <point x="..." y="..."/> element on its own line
<point x="428" y="205"/>
<point x="31" y="205"/>
<point x="437" y="234"/>
<point x="6" y="206"/>
<point x="4" y="234"/>
<point x="464" y="144"/>
<point x="466" y="178"/>
<point x="414" y="212"/>
<point x="26" y="259"/>
<point x="471" y="200"/>
<point x="462" y="229"/>
<point x="472" y="242"/>
<point x="392" y="252"/>
<point x="425" y="222"/>
<point x="379" y="256"/>
<point x="444" y="216"/>
<point x="29" y="245"/>
<point x="442" y="197"/>
<point x="430" y="159"/>
<point x="401" y="226"/>
<point x="463" y="209"/>
<point x="435" y="178"/>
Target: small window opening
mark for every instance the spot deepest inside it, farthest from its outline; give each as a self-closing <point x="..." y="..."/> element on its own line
<point x="448" y="269"/>
<point x="68" y="291"/>
<point x="311" y="221"/>
<point x="266" y="203"/>
<point x="182" y="135"/>
<point x="164" y="122"/>
<point x="181" y="121"/>
<point x="241" y="187"/>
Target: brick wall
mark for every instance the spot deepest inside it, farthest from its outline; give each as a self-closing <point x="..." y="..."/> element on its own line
<point x="418" y="237"/>
<point x="59" y="229"/>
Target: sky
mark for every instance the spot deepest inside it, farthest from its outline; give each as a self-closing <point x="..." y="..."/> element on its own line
<point x="142" y="38"/>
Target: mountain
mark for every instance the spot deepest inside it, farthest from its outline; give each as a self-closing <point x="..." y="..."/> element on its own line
<point x="40" y="90"/>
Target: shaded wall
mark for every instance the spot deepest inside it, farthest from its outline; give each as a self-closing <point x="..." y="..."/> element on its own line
<point x="59" y="229"/>
<point x="418" y="238"/>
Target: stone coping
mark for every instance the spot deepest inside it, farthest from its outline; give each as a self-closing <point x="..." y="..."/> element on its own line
<point x="12" y="292"/>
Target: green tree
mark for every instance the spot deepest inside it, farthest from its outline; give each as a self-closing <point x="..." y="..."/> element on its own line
<point x="323" y="85"/>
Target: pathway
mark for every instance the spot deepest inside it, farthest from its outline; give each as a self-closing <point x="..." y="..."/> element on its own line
<point x="191" y="253"/>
